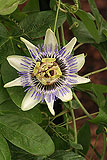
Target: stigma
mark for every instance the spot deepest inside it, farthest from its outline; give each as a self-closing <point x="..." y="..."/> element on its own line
<point x="47" y="71"/>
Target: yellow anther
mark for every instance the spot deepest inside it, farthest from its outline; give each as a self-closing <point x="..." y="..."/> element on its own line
<point x="58" y="71"/>
<point x="48" y="59"/>
<point x="35" y="71"/>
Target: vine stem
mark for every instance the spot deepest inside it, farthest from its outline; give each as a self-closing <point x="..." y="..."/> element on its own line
<point x="58" y="39"/>
<point x="74" y="122"/>
<point x="79" y="118"/>
<point x="91" y="73"/>
<point x="77" y="46"/>
<point x="91" y="155"/>
<point x="62" y="36"/>
<point x="82" y="107"/>
<point x="104" y="146"/>
<point x="57" y="15"/>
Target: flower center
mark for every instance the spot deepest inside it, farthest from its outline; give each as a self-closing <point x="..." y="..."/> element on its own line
<point x="47" y="71"/>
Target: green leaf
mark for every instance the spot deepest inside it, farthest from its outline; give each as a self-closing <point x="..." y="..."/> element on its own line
<point x="105" y="32"/>
<point x="80" y="31"/>
<point x="4" y="149"/>
<point x="3" y="40"/>
<point x="75" y="105"/>
<point x="96" y="91"/>
<point x="52" y="4"/>
<point x="101" y="118"/>
<point x="16" y="16"/>
<point x="65" y="155"/>
<point x="100" y="99"/>
<point x="19" y="154"/>
<point x="101" y="23"/>
<point x="8" y="44"/>
<point x="31" y="6"/>
<point x="8" y="6"/>
<point x="33" y="114"/>
<point x="76" y="146"/>
<point x="89" y="87"/>
<point x="89" y="23"/>
<point x="16" y="93"/>
<point x="25" y="134"/>
<point x="60" y="138"/>
<point x="3" y="93"/>
<point x="22" y="1"/>
<point x="36" y="24"/>
<point x="59" y="143"/>
<point x="84" y="137"/>
<point x="102" y="48"/>
<point x="100" y="129"/>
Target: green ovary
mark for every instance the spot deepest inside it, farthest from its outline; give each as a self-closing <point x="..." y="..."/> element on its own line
<point x="47" y="71"/>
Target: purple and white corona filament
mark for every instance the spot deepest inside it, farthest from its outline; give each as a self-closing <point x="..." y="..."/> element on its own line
<point x="49" y="73"/>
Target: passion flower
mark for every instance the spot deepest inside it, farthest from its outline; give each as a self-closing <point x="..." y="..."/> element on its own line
<point x="49" y="74"/>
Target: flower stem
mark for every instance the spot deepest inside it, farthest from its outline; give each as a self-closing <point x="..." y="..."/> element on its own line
<point x="62" y="36"/>
<point x="56" y="16"/>
<point x="82" y="107"/>
<point x="104" y="146"/>
<point x="74" y="122"/>
<point x="91" y="73"/>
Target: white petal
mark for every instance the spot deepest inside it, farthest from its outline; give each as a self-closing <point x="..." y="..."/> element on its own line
<point x="28" y="101"/>
<point x="79" y="79"/>
<point x="50" y="105"/>
<point x="50" y="38"/>
<point x="15" y="61"/>
<point x="80" y="59"/>
<point x="66" y="97"/>
<point x="32" y="48"/>
<point x="16" y="82"/>
<point x="70" y="45"/>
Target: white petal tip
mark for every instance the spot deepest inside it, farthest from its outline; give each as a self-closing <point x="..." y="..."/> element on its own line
<point x="24" y="108"/>
<point x="75" y="39"/>
<point x="8" y="58"/>
<point x="88" y="80"/>
<point x="22" y="39"/>
<point x="68" y="100"/>
<point x="6" y="85"/>
<point x="49" y="30"/>
<point x="53" y="113"/>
